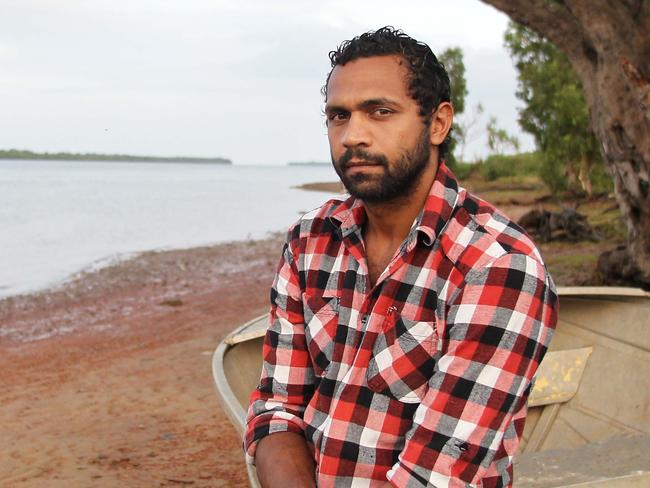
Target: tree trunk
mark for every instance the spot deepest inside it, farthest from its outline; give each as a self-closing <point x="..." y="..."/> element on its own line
<point x="585" y="175"/>
<point x="570" y="173"/>
<point x="608" y="44"/>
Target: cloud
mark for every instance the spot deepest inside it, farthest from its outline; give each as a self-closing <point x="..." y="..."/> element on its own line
<point x="207" y="77"/>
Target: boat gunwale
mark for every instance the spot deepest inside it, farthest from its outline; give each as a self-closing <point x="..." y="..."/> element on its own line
<point x="600" y="291"/>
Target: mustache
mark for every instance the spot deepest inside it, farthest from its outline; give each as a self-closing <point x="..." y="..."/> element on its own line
<point x="358" y="153"/>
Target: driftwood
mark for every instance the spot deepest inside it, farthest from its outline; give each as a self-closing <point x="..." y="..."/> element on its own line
<point x="567" y="225"/>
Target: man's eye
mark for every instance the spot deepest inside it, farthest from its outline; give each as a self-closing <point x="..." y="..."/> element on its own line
<point x="337" y="116"/>
<point x="382" y="112"/>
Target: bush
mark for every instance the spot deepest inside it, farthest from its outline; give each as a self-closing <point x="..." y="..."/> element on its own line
<point x="601" y="180"/>
<point x="501" y="166"/>
<point x="553" y="174"/>
<point x="463" y="170"/>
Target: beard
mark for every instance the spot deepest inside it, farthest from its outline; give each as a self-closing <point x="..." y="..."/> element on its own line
<point x="397" y="179"/>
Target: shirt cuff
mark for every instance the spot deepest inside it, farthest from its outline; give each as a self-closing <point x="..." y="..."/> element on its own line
<point x="264" y="425"/>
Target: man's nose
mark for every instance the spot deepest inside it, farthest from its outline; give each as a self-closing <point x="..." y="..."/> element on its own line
<point x="356" y="132"/>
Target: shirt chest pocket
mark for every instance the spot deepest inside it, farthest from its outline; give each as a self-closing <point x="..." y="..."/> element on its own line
<point x="403" y="359"/>
<point x="321" y="315"/>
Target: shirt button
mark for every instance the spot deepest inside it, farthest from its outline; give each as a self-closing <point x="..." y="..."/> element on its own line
<point x="463" y="446"/>
<point x="364" y="319"/>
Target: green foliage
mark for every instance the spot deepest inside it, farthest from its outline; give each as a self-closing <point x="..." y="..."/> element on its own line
<point x="601" y="179"/>
<point x="452" y="59"/>
<point x="503" y="166"/>
<point x="555" y="111"/>
<point x="499" y="139"/>
<point x="65" y="156"/>
<point x="553" y="173"/>
<point x="498" y="166"/>
<point x="463" y="170"/>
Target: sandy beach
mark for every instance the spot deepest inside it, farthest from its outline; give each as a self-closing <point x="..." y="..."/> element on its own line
<point x="106" y="380"/>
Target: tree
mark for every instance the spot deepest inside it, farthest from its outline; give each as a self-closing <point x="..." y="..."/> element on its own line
<point x="608" y="45"/>
<point x="498" y="138"/>
<point x="466" y="129"/>
<point x="452" y="60"/>
<point x="555" y="111"/>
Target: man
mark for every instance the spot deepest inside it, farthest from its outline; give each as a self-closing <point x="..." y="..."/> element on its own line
<point x="407" y="322"/>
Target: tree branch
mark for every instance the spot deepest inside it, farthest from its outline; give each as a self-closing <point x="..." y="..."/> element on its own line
<point x="540" y="15"/>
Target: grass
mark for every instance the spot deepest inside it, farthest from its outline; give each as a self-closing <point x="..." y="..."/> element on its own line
<point x="571" y="264"/>
<point x="605" y="217"/>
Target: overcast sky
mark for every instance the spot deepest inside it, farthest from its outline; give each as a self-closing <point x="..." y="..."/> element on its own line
<point x="214" y="78"/>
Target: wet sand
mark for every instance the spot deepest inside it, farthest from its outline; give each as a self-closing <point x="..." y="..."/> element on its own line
<point x="106" y="381"/>
<point x="325" y="186"/>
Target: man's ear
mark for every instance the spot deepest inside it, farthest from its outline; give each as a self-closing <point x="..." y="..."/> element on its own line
<point x="441" y="120"/>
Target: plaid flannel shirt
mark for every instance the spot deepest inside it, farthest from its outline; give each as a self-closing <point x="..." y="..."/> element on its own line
<point x="422" y="379"/>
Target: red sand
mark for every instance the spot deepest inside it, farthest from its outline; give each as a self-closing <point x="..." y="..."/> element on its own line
<point x="125" y="397"/>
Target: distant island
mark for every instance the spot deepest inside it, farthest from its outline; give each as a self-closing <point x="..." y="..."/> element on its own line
<point x="309" y="163"/>
<point x="65" y="156"/>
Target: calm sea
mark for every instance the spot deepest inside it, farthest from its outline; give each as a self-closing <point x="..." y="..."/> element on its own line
<point x="59" y="217"/>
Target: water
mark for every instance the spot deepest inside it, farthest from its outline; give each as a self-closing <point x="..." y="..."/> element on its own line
<point x="58" y="217"/>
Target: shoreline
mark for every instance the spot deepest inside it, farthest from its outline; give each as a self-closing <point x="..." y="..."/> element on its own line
<point x="119" y="274"/>
<point x="102" y="274"/>
<point x="324" y="186"/>
<point x="114" y="261"/>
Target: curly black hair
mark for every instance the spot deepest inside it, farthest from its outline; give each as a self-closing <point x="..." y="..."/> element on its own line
<point x="428" y="82"/>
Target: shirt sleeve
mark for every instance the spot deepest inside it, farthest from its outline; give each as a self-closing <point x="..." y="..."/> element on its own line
<point x="287" y="379"/>
<point x="498" y="326"/>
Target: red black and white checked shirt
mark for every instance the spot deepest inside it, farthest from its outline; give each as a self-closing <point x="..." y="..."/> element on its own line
<point x="422" y="379"/>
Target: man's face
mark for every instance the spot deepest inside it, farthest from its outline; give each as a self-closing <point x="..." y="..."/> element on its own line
<point x="378" y="141"/>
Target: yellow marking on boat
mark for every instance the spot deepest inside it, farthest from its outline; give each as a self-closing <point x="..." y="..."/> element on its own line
<point x="558" y="377"/>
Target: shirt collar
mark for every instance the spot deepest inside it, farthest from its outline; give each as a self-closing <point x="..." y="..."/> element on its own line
<point x="349" y="216"/>
<point x="438" y="207"/>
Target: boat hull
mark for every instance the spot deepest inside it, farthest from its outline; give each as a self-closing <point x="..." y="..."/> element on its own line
<point x="589" y="420"/>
